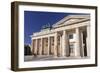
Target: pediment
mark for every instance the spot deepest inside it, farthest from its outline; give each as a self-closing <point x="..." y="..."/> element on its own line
<point x="71" y="19"/>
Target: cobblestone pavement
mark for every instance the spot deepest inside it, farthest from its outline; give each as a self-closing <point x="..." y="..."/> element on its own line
<point x="44" y="58"/>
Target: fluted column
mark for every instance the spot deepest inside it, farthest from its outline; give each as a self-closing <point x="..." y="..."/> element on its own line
<point x="55" y="45"/>
<point x="60" y="49"/>
<point x="40" y="48"/>
<point x="88" y="40"/>
<point x="48" y="46"/>
<point x="35" y="49"/>
<point x="44" y="46"/>
<point x="32" y="46"/>
<point x="52" y="46"/>
<point x="77" y="49"/>
<point x="67" y="45"/>
<point x="64" y="43"/>
<point x="82" y="44"/>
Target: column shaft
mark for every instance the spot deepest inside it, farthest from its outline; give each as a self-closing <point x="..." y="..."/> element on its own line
<point x="44" y="46"/>
<point x="48" y="46"/>
<point x="88" y="41"/>
<point x="65" y="39"/>
<point x="32" y="46"/>
<point x="55" y="44"/>
<point x="60" y="48"/>
<point x="40" y="50"/>
<point x="82" y="44"/>
<point x="77" y="49"/>
<point x="67" y="45"/>
<point x="35" y="50"/>
<point x="64" y="43"/>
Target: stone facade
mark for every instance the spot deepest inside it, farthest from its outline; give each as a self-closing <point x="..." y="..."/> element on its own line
<point x="68" y="37"/>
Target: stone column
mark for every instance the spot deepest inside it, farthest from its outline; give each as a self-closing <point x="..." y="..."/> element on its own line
<point x="44" y="49"/>
<point x="35" y="49"/>
<point x="60" y="49"/>
<point x="77" y="49"/>
<point x="67" y="45"/>
<point x="32" y="46"/>
<point x="52" y="46"/>
<point x="48" y="46"/>
<point x="40" y="50"/>
<point x="55" y="45"/>
<point x="63" y="43"/>
<point x="82" y="44"/>
<point x="88" y="40"/>
<point x="42" y="46"/>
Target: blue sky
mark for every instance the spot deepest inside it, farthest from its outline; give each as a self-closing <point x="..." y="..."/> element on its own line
<point x="33" y="21"/>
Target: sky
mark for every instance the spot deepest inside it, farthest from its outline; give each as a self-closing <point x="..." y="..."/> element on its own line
<point x="33" y="21"/>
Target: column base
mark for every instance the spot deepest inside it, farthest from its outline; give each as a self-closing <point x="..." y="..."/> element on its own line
<point x="55" y="56"/>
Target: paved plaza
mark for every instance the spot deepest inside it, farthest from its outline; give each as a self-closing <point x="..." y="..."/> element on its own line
<point x="50" y="57"/>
